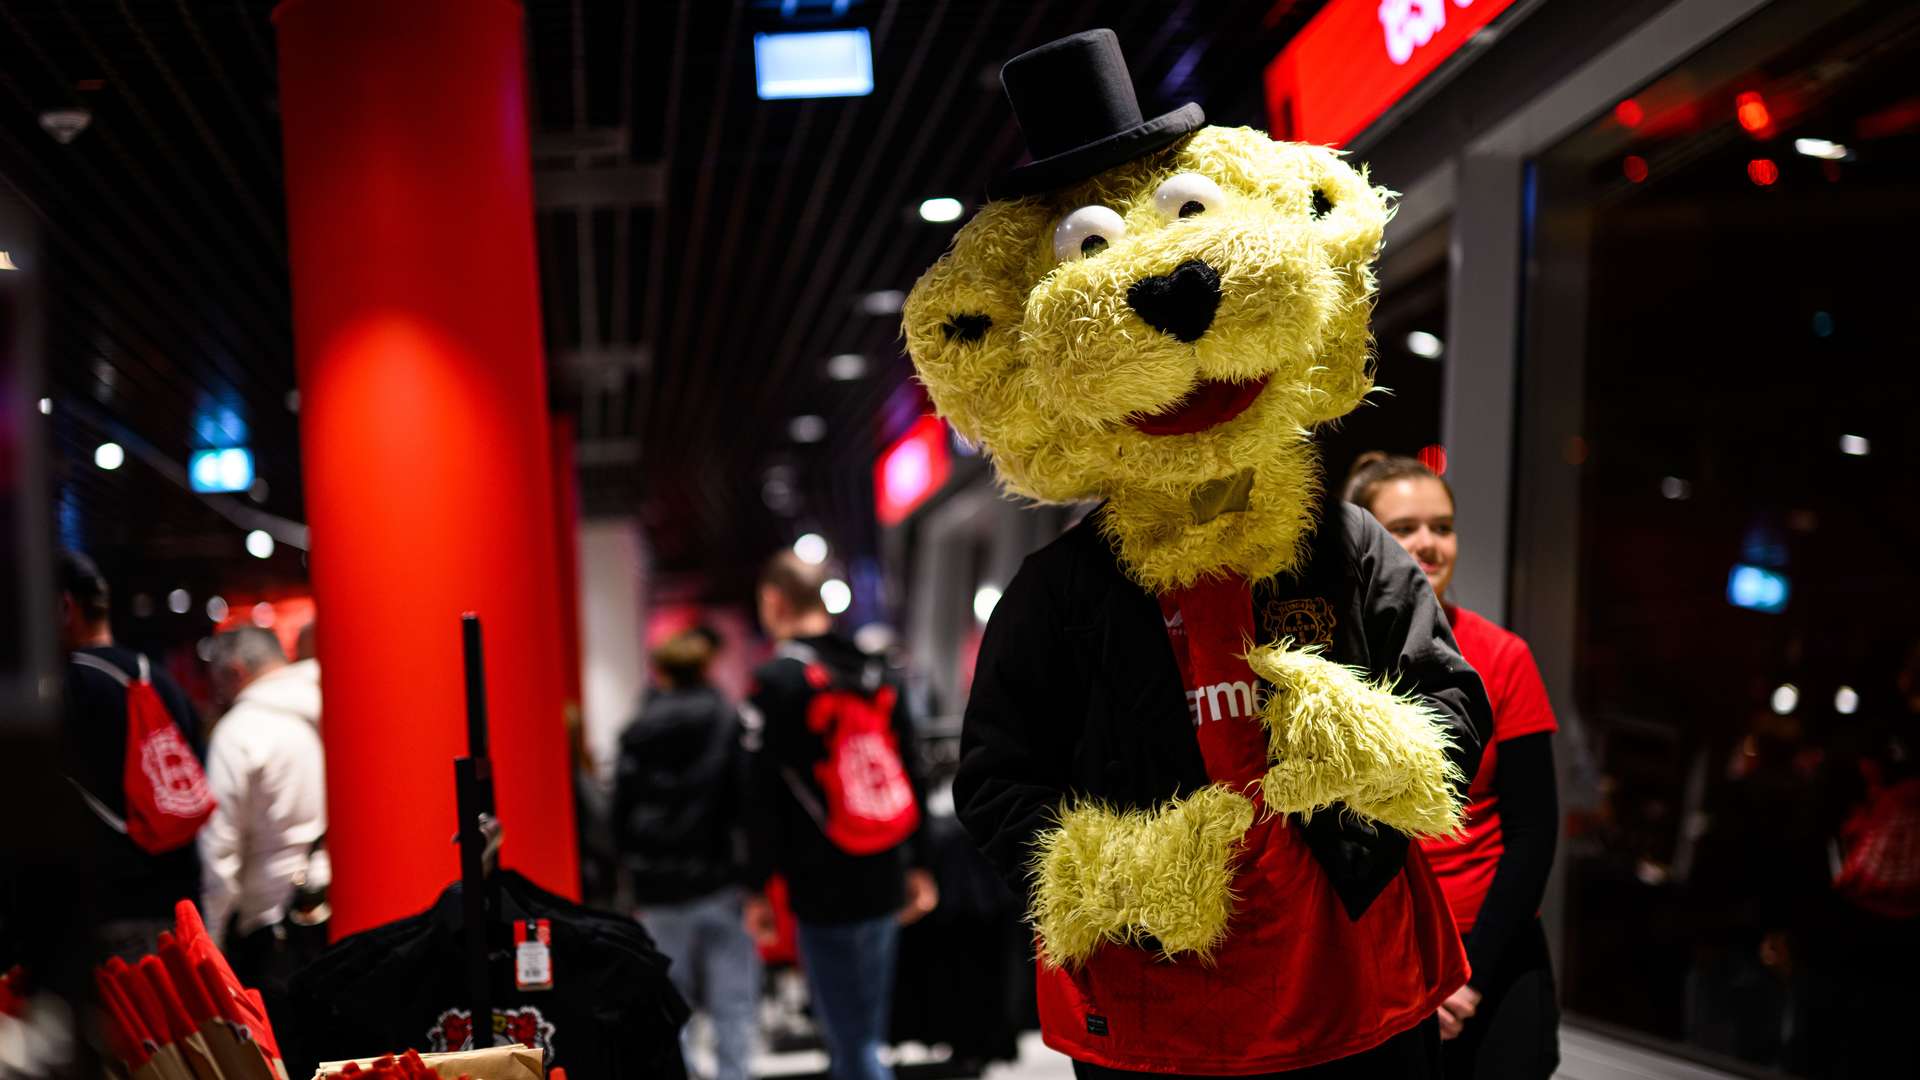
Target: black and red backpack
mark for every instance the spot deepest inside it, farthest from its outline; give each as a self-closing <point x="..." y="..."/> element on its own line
<point x="869" y="801"/>
<point x="167" y="799"/>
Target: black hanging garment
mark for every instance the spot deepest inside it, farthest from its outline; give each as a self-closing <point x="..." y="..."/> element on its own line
<point x="610" y="1013"/>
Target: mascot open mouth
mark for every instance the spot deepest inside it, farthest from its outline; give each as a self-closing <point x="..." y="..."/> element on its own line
<point x="1210" y="403"/>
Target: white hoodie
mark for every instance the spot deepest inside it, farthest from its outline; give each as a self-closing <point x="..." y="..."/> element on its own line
<point x="266" y="769"/>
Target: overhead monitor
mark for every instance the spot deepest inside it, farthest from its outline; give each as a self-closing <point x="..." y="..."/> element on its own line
<point x="230" y="469"/>
<point x="815" y="64"/>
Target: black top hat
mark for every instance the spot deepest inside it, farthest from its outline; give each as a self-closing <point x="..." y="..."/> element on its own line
<point x="1075" y="103"/>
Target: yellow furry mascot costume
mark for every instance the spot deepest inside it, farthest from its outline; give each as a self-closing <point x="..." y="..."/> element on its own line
<point x="1204" y="722"/>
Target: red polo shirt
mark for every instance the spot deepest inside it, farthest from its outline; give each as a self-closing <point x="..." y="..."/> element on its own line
<point x="1465" y="867"/>
<point x="1297" y="982"/>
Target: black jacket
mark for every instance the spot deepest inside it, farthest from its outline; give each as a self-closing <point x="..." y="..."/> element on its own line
<point x="824" y="884"/>
<point x="611" y="1012"/>
<point x="677" y="796"/>
<point x="1077" y="695"/>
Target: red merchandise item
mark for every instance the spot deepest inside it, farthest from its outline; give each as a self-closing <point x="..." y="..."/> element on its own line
<point x="1466" y="866"/>
<point x="1881" y="871"/>
<point x="167" y="794"/>
<point x="1297" y="982"/>
<point x="870" y="804"/>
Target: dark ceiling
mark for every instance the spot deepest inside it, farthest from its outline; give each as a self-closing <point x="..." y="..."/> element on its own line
<point x="703" y="252"/>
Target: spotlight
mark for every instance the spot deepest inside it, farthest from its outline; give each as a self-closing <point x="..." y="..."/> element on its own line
<point x="1855" y="445"/>
<point x="846" y="367"/>
<point x="1823" y="149"/>
<point x="984" y="601"/>
<point x="109" y="456"/>
<point x="941" y="209"/>
<point x="1425" y="346"/>
<point x="179" y="600"/>
<point x="807" y="429"/>
<point x="1786" y="698"/>
<point x="883" y="302"/>
<point x="259" y="544"/>
<point x="263" y="615"/>
<point x="1846" y="701"/>
<point x="1672" y="487"/>
<point x="812" y="549"/>
<point x="46" y="406"/>
<point x="836" y="594"/>
<point x="217" y="609"/>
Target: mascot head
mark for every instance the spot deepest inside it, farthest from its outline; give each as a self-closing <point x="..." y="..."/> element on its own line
<point x="1156" y="313"/>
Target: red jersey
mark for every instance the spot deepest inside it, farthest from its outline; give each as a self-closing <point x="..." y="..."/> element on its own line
<point x="1297" y="982"/>
<point x="1466" y="866"/>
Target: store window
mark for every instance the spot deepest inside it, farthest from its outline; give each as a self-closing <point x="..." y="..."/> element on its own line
<point x="1720" y="380"/>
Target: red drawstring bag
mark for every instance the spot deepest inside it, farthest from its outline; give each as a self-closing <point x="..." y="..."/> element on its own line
<point x="167" y="795"/>
<point x="1881" y="871"/>
<point x="870" y="804"/>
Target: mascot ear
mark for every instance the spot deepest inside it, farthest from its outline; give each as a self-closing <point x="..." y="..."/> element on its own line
<point x="1349" y="214"/>
<point x="962" y="324"/>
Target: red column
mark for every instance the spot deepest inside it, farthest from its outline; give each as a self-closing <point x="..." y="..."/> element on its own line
<point x="424" y="433"/>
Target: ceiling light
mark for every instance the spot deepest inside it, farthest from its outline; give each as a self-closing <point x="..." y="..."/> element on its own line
<point x="812" y="549"/>
<point x="1855" y="445"/>
<point x="1846" y="701"/>
<point x="217" y="609"/>
<point x="65" y="125"/>
<point x="846" y="367"/>
<point x="836" y="594"/>
<point x="109" y="456"/>
<point x="1824" y="149"/>
<point x="1786" y="698"/>
<point x="1425" y="346"/>
<point x="259" y="544"/>
<point x="1672" y="487"/>
<point x="46" y="406"/>
<point x="807" y="429"/>
<point x="984" y="601"/>
<point x="6" y="262"/>
<point x="263" y="615"/>
<point x="883" y="302"/>
<point x="179" y="600"/>
<point x="944" y="208"/>
<point x="1763" y="171"/>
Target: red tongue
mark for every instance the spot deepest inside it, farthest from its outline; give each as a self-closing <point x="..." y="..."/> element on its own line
<point x="1210" y="403"/>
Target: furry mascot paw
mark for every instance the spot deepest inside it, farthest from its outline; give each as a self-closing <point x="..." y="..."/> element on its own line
<point x="1334" y="737"/>
<point x="1158" y="878"/>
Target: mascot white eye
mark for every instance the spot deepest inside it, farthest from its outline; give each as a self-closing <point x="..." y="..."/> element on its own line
<point x="1186" y="195"/>
<point x="1086" y="232"/>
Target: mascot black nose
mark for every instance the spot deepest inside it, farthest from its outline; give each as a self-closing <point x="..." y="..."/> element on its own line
<point x="1181" y="303"/>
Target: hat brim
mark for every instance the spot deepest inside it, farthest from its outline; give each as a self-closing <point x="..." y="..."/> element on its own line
<point x="1094" y="158"/>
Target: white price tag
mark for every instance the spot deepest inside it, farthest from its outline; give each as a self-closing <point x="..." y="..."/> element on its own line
<point x="533" y="955"/>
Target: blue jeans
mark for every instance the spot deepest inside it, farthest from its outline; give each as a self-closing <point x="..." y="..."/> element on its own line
<point x="850" y="974"/>
<point x="716" y="968"/>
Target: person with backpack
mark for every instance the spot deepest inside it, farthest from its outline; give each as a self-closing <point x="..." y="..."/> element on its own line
<point x="131" y="742"/>
<point x="676" y="825"/>
<point x="835" y="807"/>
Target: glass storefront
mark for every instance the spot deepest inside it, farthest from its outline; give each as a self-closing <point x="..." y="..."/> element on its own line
<point x="1718" y="392"/>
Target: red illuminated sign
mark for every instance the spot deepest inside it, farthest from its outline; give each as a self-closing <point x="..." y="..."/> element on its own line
<point x="1357" y="57"/>
<point x="911" y="470"/>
